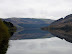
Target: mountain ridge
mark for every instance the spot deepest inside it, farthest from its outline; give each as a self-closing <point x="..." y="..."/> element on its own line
<point x="17" y="21"/>
<point x="62" y="23"/>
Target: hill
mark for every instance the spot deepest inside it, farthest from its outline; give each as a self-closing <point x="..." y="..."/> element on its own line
<point x="62" y="23"/>
<point x="20" y="21"/>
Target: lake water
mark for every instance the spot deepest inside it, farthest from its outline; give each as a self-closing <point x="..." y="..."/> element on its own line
<point x="40" y="46"/>
<point x="38" y="42"/>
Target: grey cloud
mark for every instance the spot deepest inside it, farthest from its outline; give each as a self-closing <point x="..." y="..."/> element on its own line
<point x="35" y="8"/>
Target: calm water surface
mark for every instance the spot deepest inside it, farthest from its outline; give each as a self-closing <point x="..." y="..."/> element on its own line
<point x="40" y="46"/>
<point x="47" y="44"/>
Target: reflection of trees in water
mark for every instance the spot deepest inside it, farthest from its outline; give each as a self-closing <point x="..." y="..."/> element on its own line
<point x="62" y="34"/>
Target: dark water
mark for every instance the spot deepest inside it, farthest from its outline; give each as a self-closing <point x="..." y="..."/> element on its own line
<point x="33" y="33"/>
<point x="37" y="41"/>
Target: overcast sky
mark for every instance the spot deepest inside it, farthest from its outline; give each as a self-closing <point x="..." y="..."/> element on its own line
<point x="50" y="9"/>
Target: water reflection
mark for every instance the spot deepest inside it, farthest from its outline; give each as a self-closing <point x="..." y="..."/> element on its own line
<point x="30" y="42"/>
<point x="40" y="46"/>
<point x="34" y="33"/>
<point x="62" y="34"/>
